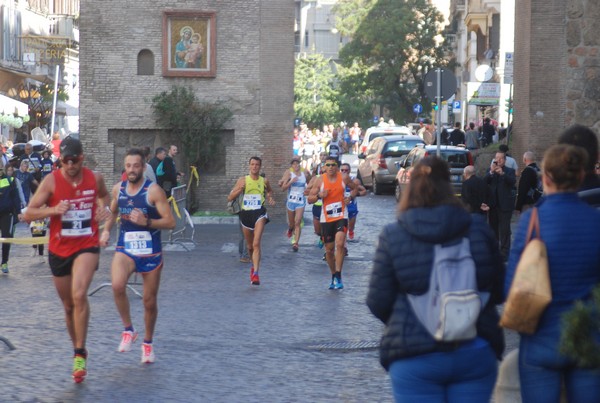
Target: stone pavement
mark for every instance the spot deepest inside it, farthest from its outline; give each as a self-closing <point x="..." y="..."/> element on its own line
<point x="218" y="339"/>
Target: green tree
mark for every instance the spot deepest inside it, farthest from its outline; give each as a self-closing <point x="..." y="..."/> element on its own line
<point x="355" y="97"/>
<point x="197" y="125"/>
<point x="315" y="96"/>
<point x="395" y="44"/>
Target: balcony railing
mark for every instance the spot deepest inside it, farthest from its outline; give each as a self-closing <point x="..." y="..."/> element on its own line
<point x="64" y="26"/>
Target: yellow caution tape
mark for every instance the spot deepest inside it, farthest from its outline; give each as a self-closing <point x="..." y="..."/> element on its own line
<point x="175" y="207"/>
<point x="40" y="240"/>
<point x="193" y="174"/>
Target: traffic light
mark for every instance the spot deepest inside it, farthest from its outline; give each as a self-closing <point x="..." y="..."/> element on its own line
<point x="509" y="105"/>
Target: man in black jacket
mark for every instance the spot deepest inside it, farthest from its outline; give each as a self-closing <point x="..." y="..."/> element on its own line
<point x="501" y="180"/>
<point x="529" y="190"/>
<point x="474" y="192"/>
<point x="10" y="205"/>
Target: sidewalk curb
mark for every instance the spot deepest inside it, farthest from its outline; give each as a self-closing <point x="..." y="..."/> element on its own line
<point x="214" y="220"/>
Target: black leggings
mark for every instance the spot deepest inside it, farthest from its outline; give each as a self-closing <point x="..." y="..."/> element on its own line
<point x="7" y="229"/>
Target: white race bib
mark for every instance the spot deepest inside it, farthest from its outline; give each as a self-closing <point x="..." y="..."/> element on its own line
<point x="296" y="195"/>
<point x="138" y="243"/>
<point x="334" y="210"/>
<point x="252" y="202"/>
<point x="77" y="223"/>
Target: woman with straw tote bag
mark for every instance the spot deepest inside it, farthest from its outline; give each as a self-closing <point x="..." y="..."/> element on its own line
<point x="570" y="229"/>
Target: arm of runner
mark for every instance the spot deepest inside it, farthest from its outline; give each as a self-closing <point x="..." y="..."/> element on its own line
<point x="103" y="199"/>
<point x="114" y="211"/>
<point x="349" y="182"/>
<point x="284" y="179"/>
<point x="315" y="188"/>
<point x="35" y="211"/>
<point x="288" y="181"/>
<point x="360" y="189"/>
<point x="157" y="197"/>
<point x="269" y="190"/>
<point x="237" y="189"/>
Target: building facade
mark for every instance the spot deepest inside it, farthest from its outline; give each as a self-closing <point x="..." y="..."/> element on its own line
<point x="38" y="39"/>
<point x="482" y="33"/>
<point x="127" y="61"/>
<point x="557" y="70"/>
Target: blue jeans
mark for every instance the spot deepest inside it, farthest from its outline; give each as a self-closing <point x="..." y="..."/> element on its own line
<point x="542" y="369"/>
<point x="466" y="375"/>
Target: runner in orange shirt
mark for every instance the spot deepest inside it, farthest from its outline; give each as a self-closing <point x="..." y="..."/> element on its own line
<point x="330" y="188"/>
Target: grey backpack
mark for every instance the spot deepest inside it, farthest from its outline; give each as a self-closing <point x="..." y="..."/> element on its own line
<point x="450" y="308"/>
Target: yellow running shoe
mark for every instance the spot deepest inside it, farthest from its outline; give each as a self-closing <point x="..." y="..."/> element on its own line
<point x="79" y="368"/>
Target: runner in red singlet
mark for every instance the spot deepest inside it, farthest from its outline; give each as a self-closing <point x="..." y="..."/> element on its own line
<point x="75" y="198"/>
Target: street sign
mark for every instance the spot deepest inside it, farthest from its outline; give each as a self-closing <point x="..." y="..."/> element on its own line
<point x="448" y="87"/>
<point x="417" y="108"/>
<point x="456" y="105"/>
<point x="508" y="67"/>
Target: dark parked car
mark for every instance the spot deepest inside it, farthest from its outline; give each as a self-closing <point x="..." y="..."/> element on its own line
<point x="456" y="157"/>
<point x="377" y="168"/>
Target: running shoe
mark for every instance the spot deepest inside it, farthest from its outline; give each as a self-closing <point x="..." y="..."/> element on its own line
<point x="325" y="256"/>
<point x="320" y="243"/>
<point x="295" y="247"/>
<point x="245" y="259"/>
<point x="127" y="339"/>
<point x="254" y="280"/>
<point x="345" y="251"/>
<point x="5" y="268"/>
<point x="351" y="235"/>
<point x="79" y="368"/>
<point x="289" y="233"/>
<point x="337" y="281"/>
<point x="332" y="285"/>
<point x="147" y="353"/>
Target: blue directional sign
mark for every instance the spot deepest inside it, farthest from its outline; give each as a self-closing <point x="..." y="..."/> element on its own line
<point x="456" y="105"/>
<point x="375" y="119"/>
<point x="417" y="108"/>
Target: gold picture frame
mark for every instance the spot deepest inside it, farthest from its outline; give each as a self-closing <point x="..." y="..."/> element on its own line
<point x="189" y="43"/>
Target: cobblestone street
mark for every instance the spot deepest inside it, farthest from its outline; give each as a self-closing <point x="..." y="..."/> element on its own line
<point x="218" y="339"/>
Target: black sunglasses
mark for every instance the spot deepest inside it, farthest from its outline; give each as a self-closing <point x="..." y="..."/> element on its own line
<point x="74" y="159"/>
<point x="331" y="165"/>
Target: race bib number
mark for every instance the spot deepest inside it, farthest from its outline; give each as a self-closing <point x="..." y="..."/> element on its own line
<point x="77" y="223"/>
<point x="334" y="210"/>
<point x="296" y="195"/>
<point x="138" y="243"/>
<point x="252" y="202"/>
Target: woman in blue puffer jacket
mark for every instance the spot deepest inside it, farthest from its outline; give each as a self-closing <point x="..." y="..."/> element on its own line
<point x="570" y="228"/>
<point x="421" y="368"/>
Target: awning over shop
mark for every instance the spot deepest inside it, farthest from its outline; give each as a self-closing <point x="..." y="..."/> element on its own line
<point x="8" y="106"/>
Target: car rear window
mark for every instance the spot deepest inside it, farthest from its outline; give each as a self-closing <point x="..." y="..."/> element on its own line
<point x="458" y="159"/>
<point x="398" y="148"/>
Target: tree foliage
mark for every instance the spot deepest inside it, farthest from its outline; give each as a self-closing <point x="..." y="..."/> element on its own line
<point x="580" y="329"/>
<point x="197" y="125"/>
<point x="315" y="97"/>
<point x="394" y="44"/>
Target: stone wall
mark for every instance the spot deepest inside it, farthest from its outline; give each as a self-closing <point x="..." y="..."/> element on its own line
<point x="254" y="78"/>
<point x="556" y="72"/>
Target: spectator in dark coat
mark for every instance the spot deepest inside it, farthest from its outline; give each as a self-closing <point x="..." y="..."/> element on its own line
<point x="421" y="368"/>
<point x="457" y="136"/>
<point x="487" y="132"/>
<point x="501" y="180"/>
<point x="527" y="193"/>
<point x="475" y="193"/>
